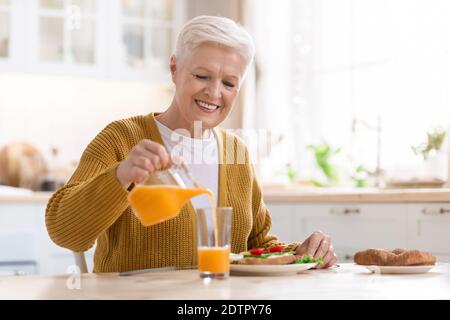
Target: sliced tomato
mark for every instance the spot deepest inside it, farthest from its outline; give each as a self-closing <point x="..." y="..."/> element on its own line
<point x="276" y="248"/>
<point x="256" y="252"/>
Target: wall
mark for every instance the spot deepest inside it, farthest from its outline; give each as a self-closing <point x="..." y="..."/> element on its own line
<point x="68" y="112"/>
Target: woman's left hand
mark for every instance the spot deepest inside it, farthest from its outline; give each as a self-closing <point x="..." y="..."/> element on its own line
<point x="318" y="245"/>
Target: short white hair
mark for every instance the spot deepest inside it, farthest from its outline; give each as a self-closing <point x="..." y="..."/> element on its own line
<point x="219" y="30"/>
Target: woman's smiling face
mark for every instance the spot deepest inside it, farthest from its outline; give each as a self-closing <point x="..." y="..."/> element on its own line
<point x="207" y="82"/>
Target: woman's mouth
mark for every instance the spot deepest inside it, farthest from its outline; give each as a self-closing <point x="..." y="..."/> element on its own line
<point x="206" y="107"/>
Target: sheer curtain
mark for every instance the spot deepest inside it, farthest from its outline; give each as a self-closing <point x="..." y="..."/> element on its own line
<point x="321" y="64"/>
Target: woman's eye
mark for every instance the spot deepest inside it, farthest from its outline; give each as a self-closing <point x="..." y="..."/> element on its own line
<point x="229" y="84"/>
<point x="200" y="77"/>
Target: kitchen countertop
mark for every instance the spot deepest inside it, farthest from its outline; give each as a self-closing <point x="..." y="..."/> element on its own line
<point x="303" y="195"/>
<point x="348" y="281"/>
<point x="32" y="197"/>
<point x="357" y="195"/>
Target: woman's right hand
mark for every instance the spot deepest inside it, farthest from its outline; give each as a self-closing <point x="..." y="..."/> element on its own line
<point x="146" y="157"/>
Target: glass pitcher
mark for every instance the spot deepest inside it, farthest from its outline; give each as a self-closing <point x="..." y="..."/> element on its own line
<point x="163" y="194"/>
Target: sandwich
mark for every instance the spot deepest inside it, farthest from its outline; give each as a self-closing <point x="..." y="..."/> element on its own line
<point x="275" y="255"/>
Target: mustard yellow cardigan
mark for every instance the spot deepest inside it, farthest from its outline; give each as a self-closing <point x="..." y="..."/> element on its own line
<point x="93" y="206"/>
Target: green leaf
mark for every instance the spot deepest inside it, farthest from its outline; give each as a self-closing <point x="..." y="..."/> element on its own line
<point x="291" y="173"/>
<point x="308" y="259"/>
<point x="435" y="138"/>
<point x="323" y="152"/>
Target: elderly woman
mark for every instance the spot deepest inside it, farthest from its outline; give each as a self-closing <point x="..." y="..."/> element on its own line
<point x="208" y="67"/>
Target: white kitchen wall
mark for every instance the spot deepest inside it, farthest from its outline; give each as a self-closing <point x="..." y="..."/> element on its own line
<point x="67" y="112"/>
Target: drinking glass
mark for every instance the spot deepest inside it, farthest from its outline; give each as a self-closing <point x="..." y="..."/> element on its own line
<point x="214" y="233"/>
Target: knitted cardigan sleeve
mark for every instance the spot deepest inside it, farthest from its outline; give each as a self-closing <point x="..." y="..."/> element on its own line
<point x="93" y="198"/>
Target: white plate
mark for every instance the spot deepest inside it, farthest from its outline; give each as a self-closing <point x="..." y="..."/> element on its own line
<point x="399" y="270"/>
<point x="270" y="269"/>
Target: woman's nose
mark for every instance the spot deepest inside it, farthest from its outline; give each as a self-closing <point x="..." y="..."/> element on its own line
<point x="213" y="89"/>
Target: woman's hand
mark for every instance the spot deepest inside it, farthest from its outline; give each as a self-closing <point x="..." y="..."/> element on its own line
<point x="318" y="245"/>
<point x="146" y="157"/>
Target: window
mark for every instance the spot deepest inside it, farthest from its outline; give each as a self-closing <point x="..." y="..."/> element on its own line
<point x="147" y="34"/>
<point x="67" y="31"/>
<point x="352" y="62"/>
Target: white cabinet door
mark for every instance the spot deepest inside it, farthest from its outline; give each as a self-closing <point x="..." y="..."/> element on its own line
<point x="351" y="226"/>
<point x="357" y="226"/>
<point x="103" y="38"/>
<point x="284" y="222"/>
<point x="25" y="244"/>
<point x="67" y="36"/>
<point x="20" y="245"/>
<point x="11" y="34"/>
<point x="143" y="37"/>
<point x="354" y="227"/>
<point x="429" y="228"/>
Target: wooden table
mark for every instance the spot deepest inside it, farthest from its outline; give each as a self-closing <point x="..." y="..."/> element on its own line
<point x="348" y="281"/>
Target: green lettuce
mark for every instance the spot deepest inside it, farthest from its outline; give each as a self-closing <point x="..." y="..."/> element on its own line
<point x="308" y="259"/>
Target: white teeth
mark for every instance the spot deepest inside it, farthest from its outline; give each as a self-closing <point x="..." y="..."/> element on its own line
<point x="206" y="105"/>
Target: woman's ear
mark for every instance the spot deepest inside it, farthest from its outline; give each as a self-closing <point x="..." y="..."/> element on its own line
<point x="173" y="67"/>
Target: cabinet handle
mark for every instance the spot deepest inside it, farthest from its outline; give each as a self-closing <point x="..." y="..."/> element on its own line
<point x="435" y="211"/>
<point x="345" y="211"/>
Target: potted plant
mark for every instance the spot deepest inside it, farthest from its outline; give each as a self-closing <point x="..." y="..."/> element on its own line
<point x="323" y="154"/>
<point x="435" y="139"/>
<point x="431" y="152"/>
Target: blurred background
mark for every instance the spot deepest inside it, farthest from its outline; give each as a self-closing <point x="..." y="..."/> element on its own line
<point x="366" y="80"/>
<point x="343" y="93"/>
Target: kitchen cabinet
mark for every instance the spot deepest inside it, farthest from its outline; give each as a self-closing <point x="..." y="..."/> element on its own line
<point x="355" y="226"/>
<point x="428" y="228"/>
<point x="285" y="223"/>
<point x="25" y="247"/>
<point x="119" y="39"/>
<point x="145" y="35"/>
<point x="67" y="36"/>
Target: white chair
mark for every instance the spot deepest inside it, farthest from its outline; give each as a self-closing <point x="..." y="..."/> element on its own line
<point x="80" y="261"/>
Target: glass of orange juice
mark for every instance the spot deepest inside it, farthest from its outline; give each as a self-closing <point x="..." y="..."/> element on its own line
<point x="214" y="233"/>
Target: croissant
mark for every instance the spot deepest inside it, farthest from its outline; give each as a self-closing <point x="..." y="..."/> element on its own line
<point x="396" y="257"/>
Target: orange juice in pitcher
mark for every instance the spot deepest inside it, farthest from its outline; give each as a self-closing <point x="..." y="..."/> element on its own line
<point x="153" y="204"/>
<point x="163" y="194"/>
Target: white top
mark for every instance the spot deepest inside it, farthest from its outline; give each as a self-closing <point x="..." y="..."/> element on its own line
<point x="201" y="157"/>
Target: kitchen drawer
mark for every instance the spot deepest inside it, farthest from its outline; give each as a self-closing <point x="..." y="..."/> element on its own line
<point x="24" y="240"/>
<point x="19" y="268"/>
<point x="355" y="226"/>
<point x="64" y="261"/>
<point x="429" y="227"/>
<point x="344" y="255"/>
<point x="284" y="223"/>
